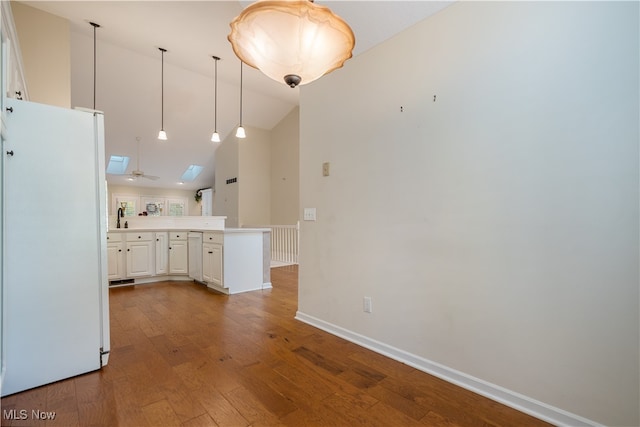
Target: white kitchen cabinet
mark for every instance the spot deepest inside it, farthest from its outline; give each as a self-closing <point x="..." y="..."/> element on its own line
<point x="14" y="83"/>
<point x="207" y="262"/>
<point x="115" y="257"/>
<point x="236" y="260"/>
<point x="140" y="254"/>
<point x="212" y="260"/>
<point x="162" y="252"/>
<point x="217" y="266"/>
<point x="233" y="260"/>
<point x="178" y="253"/>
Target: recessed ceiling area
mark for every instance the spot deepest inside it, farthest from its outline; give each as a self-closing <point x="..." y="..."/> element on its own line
<point x="128" y="76"/>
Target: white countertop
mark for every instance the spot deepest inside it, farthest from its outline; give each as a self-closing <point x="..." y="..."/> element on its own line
<point x="246" y="230"/>
<point x="226" y="230"/>
<point x="149" y="223"/>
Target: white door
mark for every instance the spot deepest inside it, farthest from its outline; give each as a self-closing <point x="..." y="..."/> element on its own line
<point x="207" y="202"/>
<point x="53" y="302"/>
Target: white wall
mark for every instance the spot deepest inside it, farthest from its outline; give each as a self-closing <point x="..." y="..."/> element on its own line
<point x="226" y="196"/>
<point x="255" y="177"/>
<point x="266" y="166"/>
<point x="44" y="44"/>
<point x="285" y="176"/>
<point x="495" y="228"/>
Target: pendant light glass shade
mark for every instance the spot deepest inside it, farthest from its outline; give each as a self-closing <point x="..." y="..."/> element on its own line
<point x="215" y="137"/>
<point x="162" y="135"/>
<point x="240" y="133"/>
<point x="295" y="41"/>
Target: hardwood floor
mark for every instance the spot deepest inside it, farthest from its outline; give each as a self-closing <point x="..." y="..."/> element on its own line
<point x="182" y="355"/>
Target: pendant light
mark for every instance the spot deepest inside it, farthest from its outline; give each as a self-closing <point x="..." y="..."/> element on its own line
<point x="240" y="133"/>
<point x="216" y="136"/>
<point x="162" y="134"/>
<point x="94" y="25"/>
<point x="295" y="41"/>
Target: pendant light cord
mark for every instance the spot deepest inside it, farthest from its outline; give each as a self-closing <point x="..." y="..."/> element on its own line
<point x="162" y="90"/>
<point x="94" y="25"/>
<point x="240" y="93"/>
<point x="215" y="94"/>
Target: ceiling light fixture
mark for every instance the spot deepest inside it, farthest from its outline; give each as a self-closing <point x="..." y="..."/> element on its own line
<point x="295" y="41"/>
<point x="162" y="134"/>
<point x="216" y="136"/>
<point x="94" y="25"/>
<point x="240" y="133"/>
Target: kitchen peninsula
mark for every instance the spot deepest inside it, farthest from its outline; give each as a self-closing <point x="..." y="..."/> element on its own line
<point x="200" y="248"/>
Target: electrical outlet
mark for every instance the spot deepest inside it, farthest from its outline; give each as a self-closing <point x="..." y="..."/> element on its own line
<point x="325" y="169"/>
<point x="366" y="306"/>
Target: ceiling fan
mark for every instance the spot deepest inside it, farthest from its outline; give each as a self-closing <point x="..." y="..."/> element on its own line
<point x="137" y="173"/>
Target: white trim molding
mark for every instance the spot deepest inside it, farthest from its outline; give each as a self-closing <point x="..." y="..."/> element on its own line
<point x="502" y="395"/>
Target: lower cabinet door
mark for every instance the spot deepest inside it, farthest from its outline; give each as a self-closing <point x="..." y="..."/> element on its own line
<point x="139" y="259"/>
<point x="162" y="253"/>
<point x="115" y="261"/>
<point x="207" y="262"/>
<point x="212" y="263"/>
<point x="216" y="270"/>
<point x="178" y="257"/>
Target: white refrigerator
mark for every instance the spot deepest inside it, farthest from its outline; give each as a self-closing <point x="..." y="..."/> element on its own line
<point x="54" y="286"/>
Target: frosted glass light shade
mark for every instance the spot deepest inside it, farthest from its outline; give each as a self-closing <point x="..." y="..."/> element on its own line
<point x="294" y="41"/>
<point x="162" y="135"/>
<point x="240" y="132"/>
<point x="215" y="137"/>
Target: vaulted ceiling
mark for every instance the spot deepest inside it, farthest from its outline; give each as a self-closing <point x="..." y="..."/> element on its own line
<point x="128" y="75"/>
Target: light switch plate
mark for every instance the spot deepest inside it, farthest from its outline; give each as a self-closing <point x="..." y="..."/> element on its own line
<point x="309" y="214"/>
<point x="366" y="305"/>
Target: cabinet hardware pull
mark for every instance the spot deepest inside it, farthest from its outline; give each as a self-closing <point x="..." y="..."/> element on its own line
<point x="119" y="250"/>
<point x="210" y="252"/>
<point x="10" y="153"/>
<point x="128" y="250"/>
<point x="10" y="109"/>
<point x="139" y="237"/>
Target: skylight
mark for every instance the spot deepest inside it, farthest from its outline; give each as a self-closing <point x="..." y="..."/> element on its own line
<point x="191" y="173"/>
<point x="118" y="165"/>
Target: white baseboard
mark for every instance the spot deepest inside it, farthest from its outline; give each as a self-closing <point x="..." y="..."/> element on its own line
<point x="507" y="397"/>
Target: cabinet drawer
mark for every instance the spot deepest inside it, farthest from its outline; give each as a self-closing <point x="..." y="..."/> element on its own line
<point x="213" y="238"/>
<point x="114" y="237"/>
<point x="139" y="237"/>
<point x="178" y="235"/>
